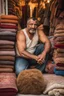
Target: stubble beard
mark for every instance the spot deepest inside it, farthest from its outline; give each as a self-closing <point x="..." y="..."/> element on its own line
<point x="32" y="31"/>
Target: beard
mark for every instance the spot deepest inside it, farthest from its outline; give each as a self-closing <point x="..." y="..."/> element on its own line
<point x="32" y="31"/>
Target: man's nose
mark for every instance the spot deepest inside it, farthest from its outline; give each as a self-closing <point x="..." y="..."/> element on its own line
<point x="33" y="26"/>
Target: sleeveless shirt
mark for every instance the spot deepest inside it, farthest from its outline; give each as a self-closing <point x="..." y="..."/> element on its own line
<point x="30" y="44"/>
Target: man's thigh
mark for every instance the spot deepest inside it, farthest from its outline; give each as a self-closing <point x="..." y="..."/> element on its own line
<point x="38" y="51"/>
<point x="21" y="64"/>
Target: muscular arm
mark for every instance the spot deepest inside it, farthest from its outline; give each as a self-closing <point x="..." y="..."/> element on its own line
<point x="21" y="46"/>
<point x="43" y="38"/>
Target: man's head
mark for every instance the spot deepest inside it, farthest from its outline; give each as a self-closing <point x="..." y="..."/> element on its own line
<point x="32" y="25"/>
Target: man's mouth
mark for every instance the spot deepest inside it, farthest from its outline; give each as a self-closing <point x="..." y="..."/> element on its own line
<point x="32" y="29"/>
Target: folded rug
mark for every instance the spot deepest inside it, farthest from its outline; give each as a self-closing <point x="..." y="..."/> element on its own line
<point x="56" y="92"/>
<point x="57" y="54"/>
<point x="56" y="35"/>
<point x="60" y="26"/>
<point x="59" y="45"/>
<point x="6" y="47"/>
<point x="8" y="84"/>
<point x="60" y="38"/>
<point x="58" y="42"/>
<point x="53" y="82"/>
<point x="9" y="53"/>
<point x="7" y="70"/>
<point x="7" y="33"/>
<point x="59" y="68"/>
<point x="11" y="58"/>
<point x="7" y="62"/>
<point x="2" y="49"/>
<point x="6" y="66"/>
<point x="60" y="64"/>
<point x="8" y="26"/>
<point x="8" y="37"/>
<point x="10" y="17"/>
<point x="60" y="50"/>
<point x="58" y="31"/>
<point x="4" y="42"/>
<point x="9" y="21"/>
<point x="59" y="60"/>
<point x="59" y="72"/>
<point x="11" y="30"/>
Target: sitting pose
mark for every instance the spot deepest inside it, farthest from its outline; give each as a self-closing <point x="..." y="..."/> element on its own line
<point x="32" y="47"/>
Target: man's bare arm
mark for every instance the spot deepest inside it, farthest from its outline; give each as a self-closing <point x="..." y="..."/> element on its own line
<point x="43" y="38"/>
<point x="21" y="46"/>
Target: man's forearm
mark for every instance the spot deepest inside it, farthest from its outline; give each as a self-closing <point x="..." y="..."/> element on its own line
<point x="28" y="55"/>
<point x="47" y="47"/>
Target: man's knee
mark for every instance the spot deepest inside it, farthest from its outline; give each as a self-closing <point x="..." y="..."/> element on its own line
<point x="39" y="49"/>
<point x="21" y="64"/>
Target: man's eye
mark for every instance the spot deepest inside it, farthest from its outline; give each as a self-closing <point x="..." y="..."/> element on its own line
<point x="33" y="24"/>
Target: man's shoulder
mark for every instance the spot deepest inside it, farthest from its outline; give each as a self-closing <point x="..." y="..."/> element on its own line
<point x="21" y="33"/>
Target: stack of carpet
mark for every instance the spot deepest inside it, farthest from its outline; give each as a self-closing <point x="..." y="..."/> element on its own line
<point x="8" y="29"/>
<point x="12" y="5"/>
<point x="59" y="49"/>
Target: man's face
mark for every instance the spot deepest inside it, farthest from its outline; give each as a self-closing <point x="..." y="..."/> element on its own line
<point x="32" y="26"/>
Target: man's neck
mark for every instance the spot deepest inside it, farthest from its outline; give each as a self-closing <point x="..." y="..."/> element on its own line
<point x="30" y="35"/>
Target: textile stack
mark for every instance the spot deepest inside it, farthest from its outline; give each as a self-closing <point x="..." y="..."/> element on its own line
<point x="55" y="85"/>
<point x="14" y="8"/>
<point x="8" y="29"/>
<point x="58" y="54"/>
<point x="11" y="5"/>
<point x="57" y="13"/>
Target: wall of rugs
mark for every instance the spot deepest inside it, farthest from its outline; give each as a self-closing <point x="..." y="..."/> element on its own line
<point x="8" y="31"/>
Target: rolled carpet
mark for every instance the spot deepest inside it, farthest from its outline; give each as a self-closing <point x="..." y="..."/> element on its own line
<point x="8" y="84"/>
<point x="59" y="72"/>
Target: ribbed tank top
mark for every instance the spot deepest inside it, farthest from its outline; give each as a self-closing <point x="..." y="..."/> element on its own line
<point x="30" y="44"/>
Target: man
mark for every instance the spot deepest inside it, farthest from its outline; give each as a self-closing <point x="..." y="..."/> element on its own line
<point x="29" y="52"/>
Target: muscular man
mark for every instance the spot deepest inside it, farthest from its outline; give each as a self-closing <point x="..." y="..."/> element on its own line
<point x="29" y="51"/>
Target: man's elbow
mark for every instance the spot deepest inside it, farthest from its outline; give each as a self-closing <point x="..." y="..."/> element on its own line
<point x="21" y="53"/>
<point x="49" y="44"/>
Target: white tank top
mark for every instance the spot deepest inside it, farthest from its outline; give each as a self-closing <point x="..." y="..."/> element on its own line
<point x="30" y="44"/>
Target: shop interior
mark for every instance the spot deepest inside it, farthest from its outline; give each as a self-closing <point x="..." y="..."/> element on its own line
<point x="50" y="16"/>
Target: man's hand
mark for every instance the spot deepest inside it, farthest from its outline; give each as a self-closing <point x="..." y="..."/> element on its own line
<point x="41" y="58"/>
<point x="40" y="27"/>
